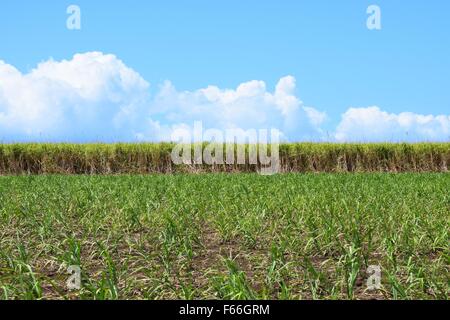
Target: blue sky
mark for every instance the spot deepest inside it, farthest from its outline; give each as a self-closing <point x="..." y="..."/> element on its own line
<point x="337" y="63"/>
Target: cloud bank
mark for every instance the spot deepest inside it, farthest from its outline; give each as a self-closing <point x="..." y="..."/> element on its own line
<point x="96" y="97"/>
<point x="372" y="124"/>
<point x="92" y="96"/>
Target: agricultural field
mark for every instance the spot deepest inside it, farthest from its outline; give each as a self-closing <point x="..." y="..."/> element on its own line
<point x="225" y="236"/>
<point x="145" y="158"/>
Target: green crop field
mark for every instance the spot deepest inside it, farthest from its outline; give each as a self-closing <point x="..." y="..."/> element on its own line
<point x="225" y="236"/>
<point x="145" y="158"/>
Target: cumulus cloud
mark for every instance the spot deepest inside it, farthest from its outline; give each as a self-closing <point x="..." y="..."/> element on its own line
<point x="95" y="96"/>
<point x="90" y="97"/>
<point x="372" y="124"/>
<point x="249" y="106"/>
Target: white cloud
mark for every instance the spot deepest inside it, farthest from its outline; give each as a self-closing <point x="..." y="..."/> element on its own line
<point x="373" y="124"/>
<point x="249" y="106"/>
<point x="90" y="97"/>
<point x="96" y="97"/>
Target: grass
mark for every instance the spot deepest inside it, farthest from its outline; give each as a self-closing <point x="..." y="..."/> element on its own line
<point x="218" y="236"/>
<point x="156" y="158"/>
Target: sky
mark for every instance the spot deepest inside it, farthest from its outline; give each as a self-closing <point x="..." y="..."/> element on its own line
<point x="140" y="70"/>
